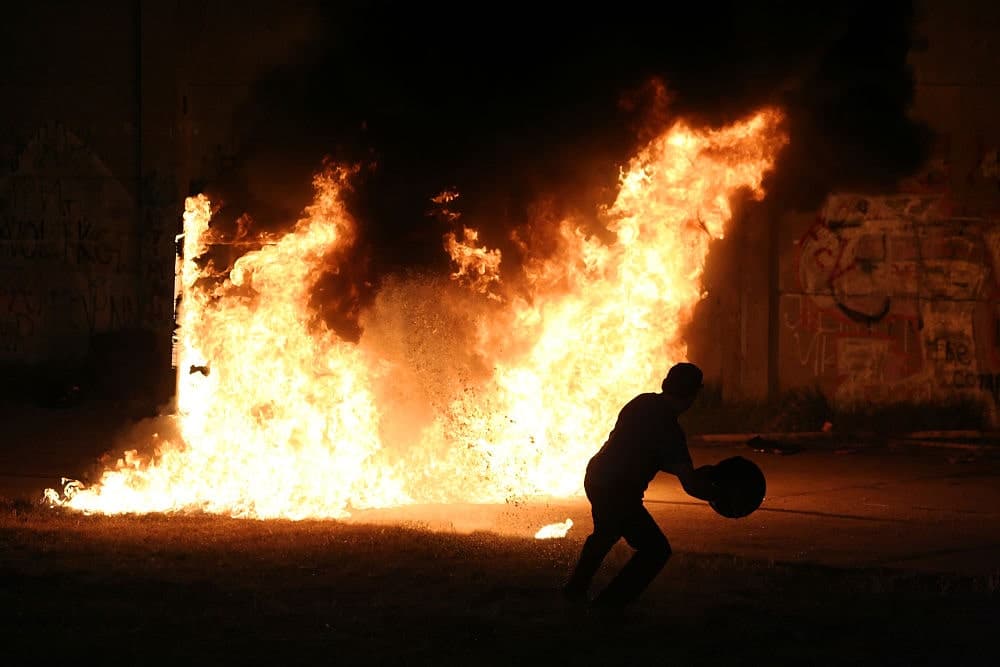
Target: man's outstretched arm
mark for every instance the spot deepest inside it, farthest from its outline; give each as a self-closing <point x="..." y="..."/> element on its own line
<point x="697" y="483"/>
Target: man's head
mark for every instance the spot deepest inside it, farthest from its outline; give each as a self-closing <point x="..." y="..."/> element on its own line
<point x="682" y="384"/>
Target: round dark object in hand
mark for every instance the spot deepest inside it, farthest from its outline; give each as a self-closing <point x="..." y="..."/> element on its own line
<point x="741" y="484"/>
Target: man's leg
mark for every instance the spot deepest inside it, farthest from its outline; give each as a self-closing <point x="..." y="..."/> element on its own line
<point x="594" y="550"/>
<point x="607" y="531"/>
<point x="652" y="552"/>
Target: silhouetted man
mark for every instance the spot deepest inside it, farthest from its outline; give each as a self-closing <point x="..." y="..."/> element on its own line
<point x="646" y="439"/>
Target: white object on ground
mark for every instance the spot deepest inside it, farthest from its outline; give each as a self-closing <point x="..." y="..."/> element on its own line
<point x="554" y="530"/>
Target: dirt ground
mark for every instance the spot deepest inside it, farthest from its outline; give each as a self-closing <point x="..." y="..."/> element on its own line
<point x="211" y="590"/>
<point x="857" y="557"/>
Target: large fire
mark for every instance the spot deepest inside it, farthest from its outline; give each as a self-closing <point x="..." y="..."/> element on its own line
<point x="458" y="390"/>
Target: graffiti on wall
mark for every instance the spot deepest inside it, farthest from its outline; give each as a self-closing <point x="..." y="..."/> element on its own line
<point x="157" y="238"/>
<point x="67" y="249"/>
<point x="895" y="301"/>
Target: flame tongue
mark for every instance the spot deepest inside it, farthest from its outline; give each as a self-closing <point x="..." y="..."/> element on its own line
<point x="278" y="417"/>
<point x="283" y="423"/>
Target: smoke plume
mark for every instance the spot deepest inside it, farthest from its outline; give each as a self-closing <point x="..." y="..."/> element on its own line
<point x="527" y="113"/>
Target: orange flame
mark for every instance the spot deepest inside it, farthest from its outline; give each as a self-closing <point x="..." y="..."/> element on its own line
<point x="443" y="399"/>
<point x="477" y="267"/>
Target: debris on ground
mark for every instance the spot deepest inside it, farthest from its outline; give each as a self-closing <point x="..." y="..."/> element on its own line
<point x="766" y="446"/>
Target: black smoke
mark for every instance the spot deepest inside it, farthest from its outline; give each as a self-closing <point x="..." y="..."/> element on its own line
<point x="514" y="105"/>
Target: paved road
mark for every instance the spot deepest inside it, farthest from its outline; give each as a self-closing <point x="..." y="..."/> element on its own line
<point x="925" y="509"/>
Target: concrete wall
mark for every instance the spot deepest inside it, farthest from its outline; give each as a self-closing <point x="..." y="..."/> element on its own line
<point x="895" y="297"/>
<point x="111" y="112"/>
<point x="68" y="178"/>
<point x="890" y="298"/>
<point x="112" y="115"/>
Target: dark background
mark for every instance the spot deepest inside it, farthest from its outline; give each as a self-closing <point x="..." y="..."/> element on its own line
<point x="512" y="103"/>
<point x="115" y="111"/>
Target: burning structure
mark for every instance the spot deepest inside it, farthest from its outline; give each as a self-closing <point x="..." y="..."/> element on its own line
<point x="461" y="388"/>
<point x="477" y="338"/>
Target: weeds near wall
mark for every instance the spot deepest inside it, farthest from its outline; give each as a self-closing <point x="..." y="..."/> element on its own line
<point x="808" y="410"/>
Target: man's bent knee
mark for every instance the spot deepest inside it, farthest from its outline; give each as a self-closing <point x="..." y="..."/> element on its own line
<point x="653" y="544"/>
<point x="602" y="539"/>
<point x="659" y="551"/>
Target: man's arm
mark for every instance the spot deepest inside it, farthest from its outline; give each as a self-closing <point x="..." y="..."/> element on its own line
<point x="697" y="483"/>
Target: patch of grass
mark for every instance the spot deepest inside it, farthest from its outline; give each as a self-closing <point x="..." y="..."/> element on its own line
<point x="206" y="589"/>
<point x="804" y="409"/>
